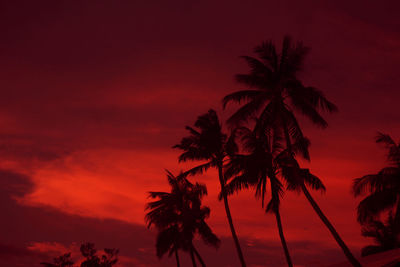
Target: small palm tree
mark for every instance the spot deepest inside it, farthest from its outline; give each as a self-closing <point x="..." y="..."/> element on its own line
<point x="383" y="188"/>
<point x="386" y="235"/>
<point x="208" y="143"/>
<point x="274" y="94"/>
<point x="179" y="216"/>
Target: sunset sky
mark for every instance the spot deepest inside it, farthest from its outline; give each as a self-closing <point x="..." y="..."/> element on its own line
<point x="94" y="95"/>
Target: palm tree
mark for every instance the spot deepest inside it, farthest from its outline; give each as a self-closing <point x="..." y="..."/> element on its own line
<point x="179" y="216"/>
<point x="383" y="188"/>
<point x="274" y="94"/>
<point x="265" y="161"/>
<point x="386" y="235"/>
<point x="254" y="170"/>
<point x="210" y="144"/>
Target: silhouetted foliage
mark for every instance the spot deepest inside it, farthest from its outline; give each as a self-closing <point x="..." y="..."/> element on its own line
<point x="207" y="142"/>
<point x="382" y="188"/>
<point x="91" y="258"/>
<point x="61" y="261"/>
<point x="274" y="92"/>
<point x="385" y="235"/>
<point x="108" y="259"/>
<point x="179" y="216"/>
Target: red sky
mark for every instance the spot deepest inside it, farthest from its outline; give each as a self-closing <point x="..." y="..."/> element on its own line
<point x="93" y="96"/>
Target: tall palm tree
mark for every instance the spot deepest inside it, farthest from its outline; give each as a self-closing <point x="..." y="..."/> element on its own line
<point x="386" y="235"/>
<point x="274" y="94"/>
<point x="208" y="143"/>
<point x="179" y="216"/>
<point x="383" y="188"/>
<point x="265" y="161"/>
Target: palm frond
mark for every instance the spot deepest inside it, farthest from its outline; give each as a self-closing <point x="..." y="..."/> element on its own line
<point x="257" y="67"/>
<point x="385" y="178"/>
<point x="375" y="203"/>
<point x="240" y="96"/>
<point x="238" y="183"/>
<point x="267" y="52"/>
<point x="313" y="181"/>
<point x="393" y="149"/>
<point x="166" y="240"/>
<point x="207" y="235"/>
<point x="198" y="170"/>
<point x="245" y="112"/>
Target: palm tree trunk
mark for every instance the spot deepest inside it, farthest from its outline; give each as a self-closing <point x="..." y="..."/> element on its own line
<point x="276" y="201"/>
<point x="397" y="214"/>
<point x="283" y="240"/>
<point x="229" y="216"/>
<point x="332" y="229"/>
<point x="199" y="257"/>
<point x="321" y="215"/>
<point x="177" y="258"/>
<point x="192" y="257"/>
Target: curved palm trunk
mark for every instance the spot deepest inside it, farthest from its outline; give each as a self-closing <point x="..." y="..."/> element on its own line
<point x="283" y="240"/>
<point x="332" y="229"/>
<point x="177" y="258"/>
<point x="199" y="257"/>
<point x="229" y="216"/>
<point x="192" y="257"/>
<point x="275" y="197"/>
<point x="321" y="215"/>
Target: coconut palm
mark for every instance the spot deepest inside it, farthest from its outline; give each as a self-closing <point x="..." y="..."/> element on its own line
<point x="265" y="161"/>
<point x="254" y="170"/>
<point x="386" y="235"/>
<point x="208" y="143"/>
<point x="383" y="188"/>
<point x="179" y="216"/>
<point x="273" y="96"/>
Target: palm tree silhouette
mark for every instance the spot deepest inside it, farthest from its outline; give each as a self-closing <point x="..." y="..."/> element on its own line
<point x="383" y="188"/>
<point x="179" y="216"/>
<point x="386" y="235"/>
<point x="274" y="94"/>
<point x="210" y="144"/>
<point x="255" y="169"/>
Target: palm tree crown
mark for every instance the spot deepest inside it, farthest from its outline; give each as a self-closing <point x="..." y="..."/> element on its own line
<point x="208" y="143"/>
<point x="274" y="91"/>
